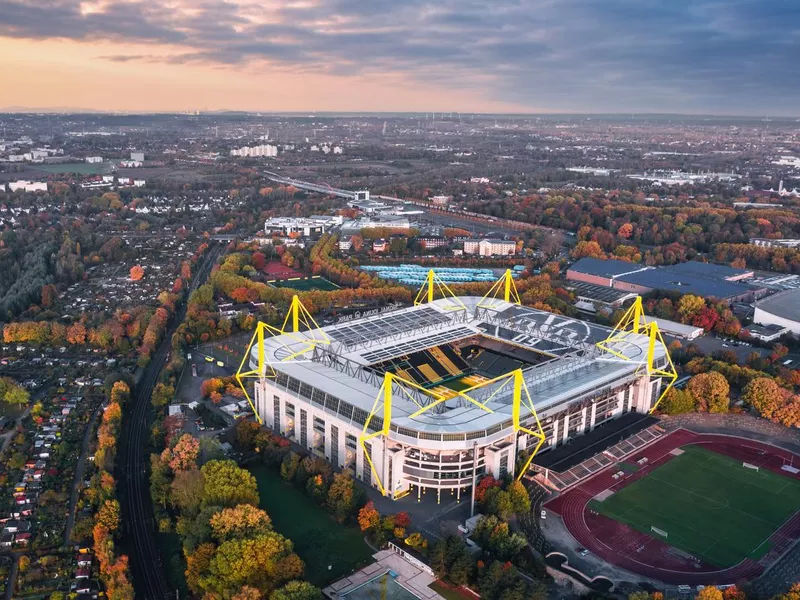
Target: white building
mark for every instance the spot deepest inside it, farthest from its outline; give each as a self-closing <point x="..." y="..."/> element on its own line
<point x="330" y="395"/>
<point x="490" y="247"/>
<point x="305" y="226"/>
<point x="264" y="150"/>
<point x="782" y="309"/>
<point x="94" y="159"/>
<point x="137" y="156"/>
<point x="779" y="243"/>
<point x="441" y="200"/>
<point x="27" y="186"/>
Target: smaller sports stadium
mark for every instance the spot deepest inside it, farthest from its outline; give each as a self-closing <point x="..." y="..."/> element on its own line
<point x="689" y="509"/>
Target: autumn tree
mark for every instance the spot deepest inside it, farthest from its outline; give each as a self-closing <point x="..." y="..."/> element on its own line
<point x="242" y="521"/>
<point x="343" y="496"/>
<point x="689" y="306"/>
<point x="765" y="395"/>
<point x="227" y="484"/>
<point x="109" y="514"/>
<point x="137" y="273"/>
<point x="709" y="593"/>
<point x="183" y="455"/>
<point x="368" y="517"/>
<point x="711" y="391"/>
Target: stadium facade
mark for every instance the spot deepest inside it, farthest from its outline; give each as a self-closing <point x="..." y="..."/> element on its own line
<point x="437" y="395"/>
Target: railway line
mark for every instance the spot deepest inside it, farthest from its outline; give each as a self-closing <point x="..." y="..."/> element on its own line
<point x="147" y="567"/>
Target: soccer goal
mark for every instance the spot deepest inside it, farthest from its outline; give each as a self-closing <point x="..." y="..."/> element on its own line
<point x="747" y="465"/>
<point x="658" y="531"/>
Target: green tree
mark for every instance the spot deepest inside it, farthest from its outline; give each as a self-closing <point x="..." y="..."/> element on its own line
<point x="289" y="466"/>
<point x="226" y="484"/>
<point x="343" y="497"/>
<point x="297" y="590"/>
<point x="264" y="562"/>
<point x="677" y="402"/>
<point x="520" y="500"/>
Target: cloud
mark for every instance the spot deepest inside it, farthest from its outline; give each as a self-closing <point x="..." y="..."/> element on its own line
<point x="571" y="55"/>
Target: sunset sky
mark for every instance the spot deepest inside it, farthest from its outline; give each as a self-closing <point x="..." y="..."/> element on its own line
<point x="688" y="56"/>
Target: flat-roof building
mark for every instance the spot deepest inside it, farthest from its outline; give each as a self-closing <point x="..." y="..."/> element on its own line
<point x="702" y="279"/>
<point x="782" y="309"/>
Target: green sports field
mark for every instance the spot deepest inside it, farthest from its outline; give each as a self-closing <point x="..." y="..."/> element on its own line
<point x="709" y="504"/>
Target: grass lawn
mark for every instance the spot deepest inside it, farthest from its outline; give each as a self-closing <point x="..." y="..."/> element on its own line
<point x="318" y="539"/>
<point x="709" y="504"/>
<point x="12" y="411"/>
<point x="315" y="283"/>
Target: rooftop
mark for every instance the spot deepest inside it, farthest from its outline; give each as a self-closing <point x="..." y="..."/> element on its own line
<point x="678" y="280"/>
<point x="784" y="304"/>
<point x="605" y="268"/>
<point x="334" y="376"/>
<point x="708" y="270"/>
<point x="598" y="293"/>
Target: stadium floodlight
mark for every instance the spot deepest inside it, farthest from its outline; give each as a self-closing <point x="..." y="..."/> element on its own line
<point x="505" y="286"/>
<point x="298" y="320"/>
<point x="428" y="293"/>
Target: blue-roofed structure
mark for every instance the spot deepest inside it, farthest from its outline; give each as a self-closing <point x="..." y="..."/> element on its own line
<point x="701" y="279"/>
<point x="677" y="280"/>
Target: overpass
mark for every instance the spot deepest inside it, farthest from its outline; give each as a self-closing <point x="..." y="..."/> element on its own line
<point x="322" y="188"/>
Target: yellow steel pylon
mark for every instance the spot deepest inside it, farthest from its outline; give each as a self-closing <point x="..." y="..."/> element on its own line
<point x="298" y="320"/>
<point x="505" y="286"/>
<point x="634" y="322"/>
<point x="427" y="293"/>
<point x="521" y="399"/>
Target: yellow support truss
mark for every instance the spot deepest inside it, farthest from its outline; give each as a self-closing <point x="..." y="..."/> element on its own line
<point x="297" y="320"/>
<point x="635" y="323"/>
<point x="428" y="293"/>
<point x="503" y="289"/>
<point x="521" y="407"/>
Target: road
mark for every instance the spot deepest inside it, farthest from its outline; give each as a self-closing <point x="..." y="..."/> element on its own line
<point x="147" y="567"/>
<point x="79" y="471"/>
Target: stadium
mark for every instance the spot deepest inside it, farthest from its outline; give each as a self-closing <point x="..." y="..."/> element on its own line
<point x="436" y="395"/>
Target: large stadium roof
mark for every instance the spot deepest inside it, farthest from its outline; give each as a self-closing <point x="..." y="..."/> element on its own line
<point x="336" y="370"/>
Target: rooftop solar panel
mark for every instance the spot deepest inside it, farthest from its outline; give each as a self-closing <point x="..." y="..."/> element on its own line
<point x="397" y="323"/>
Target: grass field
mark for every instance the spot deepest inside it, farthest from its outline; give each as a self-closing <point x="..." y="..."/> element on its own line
<point x="318" y="539"/>
<point x="709" y="504"/>
<point x="315" y="283"/>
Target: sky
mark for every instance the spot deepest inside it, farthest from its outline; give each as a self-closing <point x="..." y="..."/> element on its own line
<point x="737" y="57"/>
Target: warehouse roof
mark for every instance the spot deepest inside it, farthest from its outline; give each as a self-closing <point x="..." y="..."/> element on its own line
<point x="784" y="304"/>
<point x="709" y="270"/>
<point x="605" y="268"/>
<point x="598" y="293"/>
<point x="677" y="280"/>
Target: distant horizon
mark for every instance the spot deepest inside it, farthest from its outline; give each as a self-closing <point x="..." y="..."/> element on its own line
<point x="189" y="113"/>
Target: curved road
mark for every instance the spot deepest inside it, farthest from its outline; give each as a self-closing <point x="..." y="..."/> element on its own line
<point x="147" y="568"/>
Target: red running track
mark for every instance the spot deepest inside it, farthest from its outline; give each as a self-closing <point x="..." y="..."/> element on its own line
<point x="623" y="546"/>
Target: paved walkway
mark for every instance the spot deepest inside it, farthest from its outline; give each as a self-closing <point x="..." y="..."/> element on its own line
<point x="80" y="468"/>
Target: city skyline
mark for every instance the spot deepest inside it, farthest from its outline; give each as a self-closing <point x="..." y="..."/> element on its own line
<point x="342" y="56"/>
